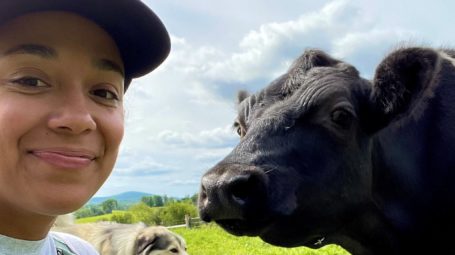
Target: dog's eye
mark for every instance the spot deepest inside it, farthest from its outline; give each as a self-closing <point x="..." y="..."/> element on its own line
<point x="174" y="250"/>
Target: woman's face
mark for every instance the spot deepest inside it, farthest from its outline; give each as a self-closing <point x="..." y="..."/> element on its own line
<point x="61" y="112"/>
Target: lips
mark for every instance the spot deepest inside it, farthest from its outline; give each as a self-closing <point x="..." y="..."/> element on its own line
<point x="64" y="158"/>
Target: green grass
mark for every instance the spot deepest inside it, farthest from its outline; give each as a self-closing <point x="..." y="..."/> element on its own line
<point x="104" y="217"/>
<point x="210" y="239"/>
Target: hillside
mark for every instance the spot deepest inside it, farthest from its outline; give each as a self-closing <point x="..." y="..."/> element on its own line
<point x="129" y="197"/>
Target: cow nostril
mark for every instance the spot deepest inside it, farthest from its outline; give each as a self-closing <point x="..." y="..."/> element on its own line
<point x="203" y="204"/>
<point x="240" y="192"/>
<point x="241" y="188"/>
<point x="203" y="193"/>
<point x="203" y="197"/>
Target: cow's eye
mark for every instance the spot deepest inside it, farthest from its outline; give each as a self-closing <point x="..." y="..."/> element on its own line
<point x="239" y="131"/>
<point x="342" y="118"/>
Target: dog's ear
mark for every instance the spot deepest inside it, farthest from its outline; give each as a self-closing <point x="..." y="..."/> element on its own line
<point x="144" y="242"/>
<point x="399" y="83"/>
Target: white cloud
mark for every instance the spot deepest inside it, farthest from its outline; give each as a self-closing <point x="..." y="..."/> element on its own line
<point x="138" y="164"/>
<point x="365" y="49"/>
<point x="213" y="155"/>
<point x="185" y="182"/>
<point x="217" y="137"/>
<point x="267" y="51"/>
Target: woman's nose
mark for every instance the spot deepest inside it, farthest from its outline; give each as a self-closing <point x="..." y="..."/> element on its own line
<point x="73" y="116"/>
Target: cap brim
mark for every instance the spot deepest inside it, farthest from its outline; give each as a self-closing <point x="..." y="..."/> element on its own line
<point x="140" y="35"/>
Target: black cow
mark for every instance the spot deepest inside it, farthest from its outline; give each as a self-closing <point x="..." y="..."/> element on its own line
<point x="326" y="156"/>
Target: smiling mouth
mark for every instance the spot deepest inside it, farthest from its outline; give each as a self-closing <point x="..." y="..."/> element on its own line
<point x="71" y="160"/>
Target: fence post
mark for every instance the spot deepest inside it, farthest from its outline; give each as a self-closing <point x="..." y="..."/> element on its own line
<point x="188" y="221"/>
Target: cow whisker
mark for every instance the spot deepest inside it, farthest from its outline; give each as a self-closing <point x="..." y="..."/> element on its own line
<point x="268" y="171"/>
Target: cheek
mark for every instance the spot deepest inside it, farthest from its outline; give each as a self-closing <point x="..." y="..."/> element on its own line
<point x="112" y="131"/>
<point x="116" y="130"/>
<point x="15" y="122"/>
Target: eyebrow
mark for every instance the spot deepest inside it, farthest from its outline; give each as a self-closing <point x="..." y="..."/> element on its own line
<point x="33" y="49"/>
<point x="50" y="53"/>
<point x="109" y="65"/>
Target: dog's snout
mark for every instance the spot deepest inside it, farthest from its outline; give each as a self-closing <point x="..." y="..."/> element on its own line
<point x="229" y="192"/>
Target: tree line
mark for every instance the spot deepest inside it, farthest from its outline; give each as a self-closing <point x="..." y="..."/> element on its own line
<point x="151" y="210"/>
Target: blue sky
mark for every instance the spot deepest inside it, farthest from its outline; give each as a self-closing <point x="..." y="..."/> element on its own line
<point x="179" y="117"/>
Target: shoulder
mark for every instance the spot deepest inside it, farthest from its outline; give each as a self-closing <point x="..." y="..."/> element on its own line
<point x="78" y="245"/>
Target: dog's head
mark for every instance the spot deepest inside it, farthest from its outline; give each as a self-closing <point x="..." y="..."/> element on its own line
<point x="159" y="241"/>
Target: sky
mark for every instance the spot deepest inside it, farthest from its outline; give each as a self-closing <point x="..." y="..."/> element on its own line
<point x="179" y="117"/>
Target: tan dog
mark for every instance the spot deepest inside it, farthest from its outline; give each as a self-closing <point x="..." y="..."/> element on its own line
<point x="127" y="239"/>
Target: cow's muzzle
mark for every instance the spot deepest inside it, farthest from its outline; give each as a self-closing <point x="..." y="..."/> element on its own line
<point x="234" y="195"/>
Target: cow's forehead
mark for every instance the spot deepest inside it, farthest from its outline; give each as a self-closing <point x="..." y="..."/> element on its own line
<point x="322" y="76"/>
<point x="319" y="86"/>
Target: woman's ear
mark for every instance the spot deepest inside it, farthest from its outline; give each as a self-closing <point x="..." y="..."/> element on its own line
<point x="399" y="83"/>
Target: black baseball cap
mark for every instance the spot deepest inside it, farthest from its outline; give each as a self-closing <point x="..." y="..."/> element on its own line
<point x="141" y="37"/>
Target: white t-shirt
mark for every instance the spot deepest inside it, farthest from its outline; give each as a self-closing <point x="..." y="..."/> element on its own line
<point x="46" y="246"/>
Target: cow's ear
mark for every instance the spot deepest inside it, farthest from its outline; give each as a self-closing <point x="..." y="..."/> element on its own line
<point x="400" y="82"/>
<point x="242" y="95"/>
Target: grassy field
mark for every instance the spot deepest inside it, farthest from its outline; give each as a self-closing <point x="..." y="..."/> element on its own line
<point x="209" y="239"/>
<point x="104" y="217"/>
<point x="212" y="240"/>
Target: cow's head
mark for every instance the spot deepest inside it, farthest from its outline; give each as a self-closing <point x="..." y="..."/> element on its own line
<point x="302" y="169"/>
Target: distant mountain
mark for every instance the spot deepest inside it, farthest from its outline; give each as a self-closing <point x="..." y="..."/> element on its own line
<point x="129" y="197"/>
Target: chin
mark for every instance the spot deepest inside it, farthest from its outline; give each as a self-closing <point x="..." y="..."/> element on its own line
<point x="65" y="203"/>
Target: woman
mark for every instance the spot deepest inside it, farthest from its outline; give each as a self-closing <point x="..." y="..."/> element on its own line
<point x="64" y="68"/>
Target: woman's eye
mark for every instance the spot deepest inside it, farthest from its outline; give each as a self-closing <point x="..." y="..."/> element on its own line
<point x="105" y="94"/>
<point x="30" y="81"/>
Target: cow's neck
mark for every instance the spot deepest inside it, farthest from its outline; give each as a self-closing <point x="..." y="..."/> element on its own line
<point x="407" y="185"/>
<point x="368" y="233"/>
